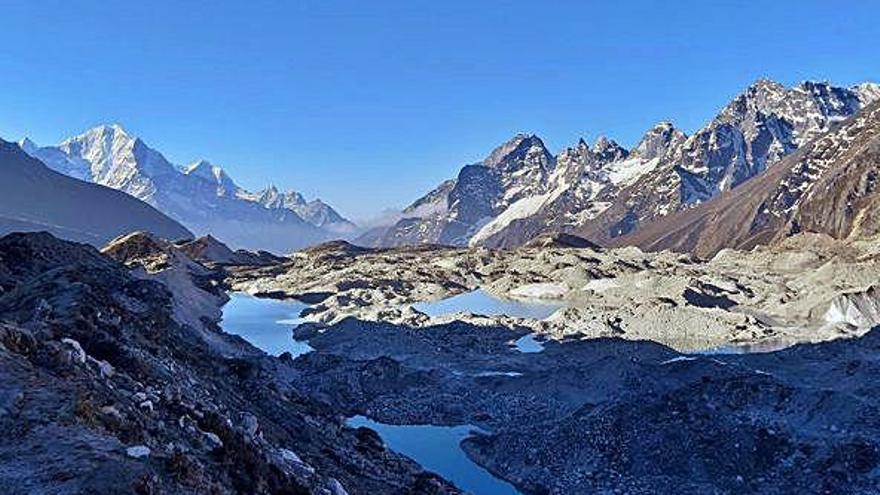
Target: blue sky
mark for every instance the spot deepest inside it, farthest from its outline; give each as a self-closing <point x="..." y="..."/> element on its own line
<point x="370" y="104"/>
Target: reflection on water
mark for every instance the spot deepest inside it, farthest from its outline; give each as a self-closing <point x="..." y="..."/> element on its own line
<point x="437" y="449"/>
<point x="265" y="323"/>
<point x="482" y="303"/>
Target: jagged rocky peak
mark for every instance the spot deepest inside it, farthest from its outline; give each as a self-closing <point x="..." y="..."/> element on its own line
<point x="658" y="140"/>
<point x="808" y="107"/>
<point x="578" y="152"/>
<point x="27" y="145"/>
<point x="315" y="212"/>
<point x="831" y="100"/>
<point x="576" y="160"/>
<point x="764" y="123"/>
<point x="607" y="150"/>
<point x="828" y="187"/>
<point x="521" y="149"/>
<point x="759" y="96"/>
<point x="214" y="174"/>
<point x="118" y="159"/>
<point x="105" y="139"/>
<point x="272" y="197"/>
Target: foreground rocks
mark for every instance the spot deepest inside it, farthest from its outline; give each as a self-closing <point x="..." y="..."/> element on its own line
<point x="106" y="386"/>
<point x="613" y="416"/>
<point x="115" y="378"/>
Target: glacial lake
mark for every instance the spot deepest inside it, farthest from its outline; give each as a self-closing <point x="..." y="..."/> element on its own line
<point x="266" y="323"/>
<point x="482" y="303"/>
<point x="437" y="449"/>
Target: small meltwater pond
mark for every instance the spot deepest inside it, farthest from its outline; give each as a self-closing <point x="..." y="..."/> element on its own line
<point x="482" y="303"/>
<point x="437" y="449"/>
<point x="266" y="323"/>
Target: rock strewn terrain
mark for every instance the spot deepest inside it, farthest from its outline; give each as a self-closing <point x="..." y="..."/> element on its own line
<point x="106" y="386"/>
<point x="800" y="291"/>
<point x="613" y="416"/>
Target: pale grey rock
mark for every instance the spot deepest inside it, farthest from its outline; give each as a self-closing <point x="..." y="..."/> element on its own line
<point x="138" y="451"/>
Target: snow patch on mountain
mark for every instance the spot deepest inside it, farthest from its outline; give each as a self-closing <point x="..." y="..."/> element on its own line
<point x="626" y="172"/>
<point x="520" y="209"/>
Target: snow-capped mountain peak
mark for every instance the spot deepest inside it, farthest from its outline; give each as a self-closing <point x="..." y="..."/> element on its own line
<point x="271" y="197"/>
<point x="27" y="145"/>
<point x="868" y="92"/>
<point x="603" y="191"/>
<point x="214" y="174"/>
<point x="202" y="196"/>
<point x="520" y="149"/>
<point x="658" y="140"/>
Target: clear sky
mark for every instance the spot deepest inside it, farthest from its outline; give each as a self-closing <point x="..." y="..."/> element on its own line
<point x="368" y="104"/>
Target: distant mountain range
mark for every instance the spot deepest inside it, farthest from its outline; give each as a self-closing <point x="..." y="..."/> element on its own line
<point x="200" y="196"/>
<point x="604" y="192"/>
<point x="36" y="198"/>
<point x="775" y="161"/>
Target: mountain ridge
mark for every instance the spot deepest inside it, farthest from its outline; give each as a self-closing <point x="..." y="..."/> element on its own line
<point x="201" y="195"/>
<point x="829" y="186"/>
<point x="604" y="191"/>
<point x="37" y="198"/>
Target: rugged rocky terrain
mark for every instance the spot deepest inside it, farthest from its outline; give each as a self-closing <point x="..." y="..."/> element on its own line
<point x="591" y="412"/>
<point x="112" y="380"/>
<point x="116" y="377"/>
<point x="799" y="291"/>
<point x="612" y="416"/>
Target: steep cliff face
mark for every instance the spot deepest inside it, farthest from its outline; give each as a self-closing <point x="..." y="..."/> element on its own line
<point x="455" y="210"/>
<point x="756" y="130"/>
<point x="587" y="180"/>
